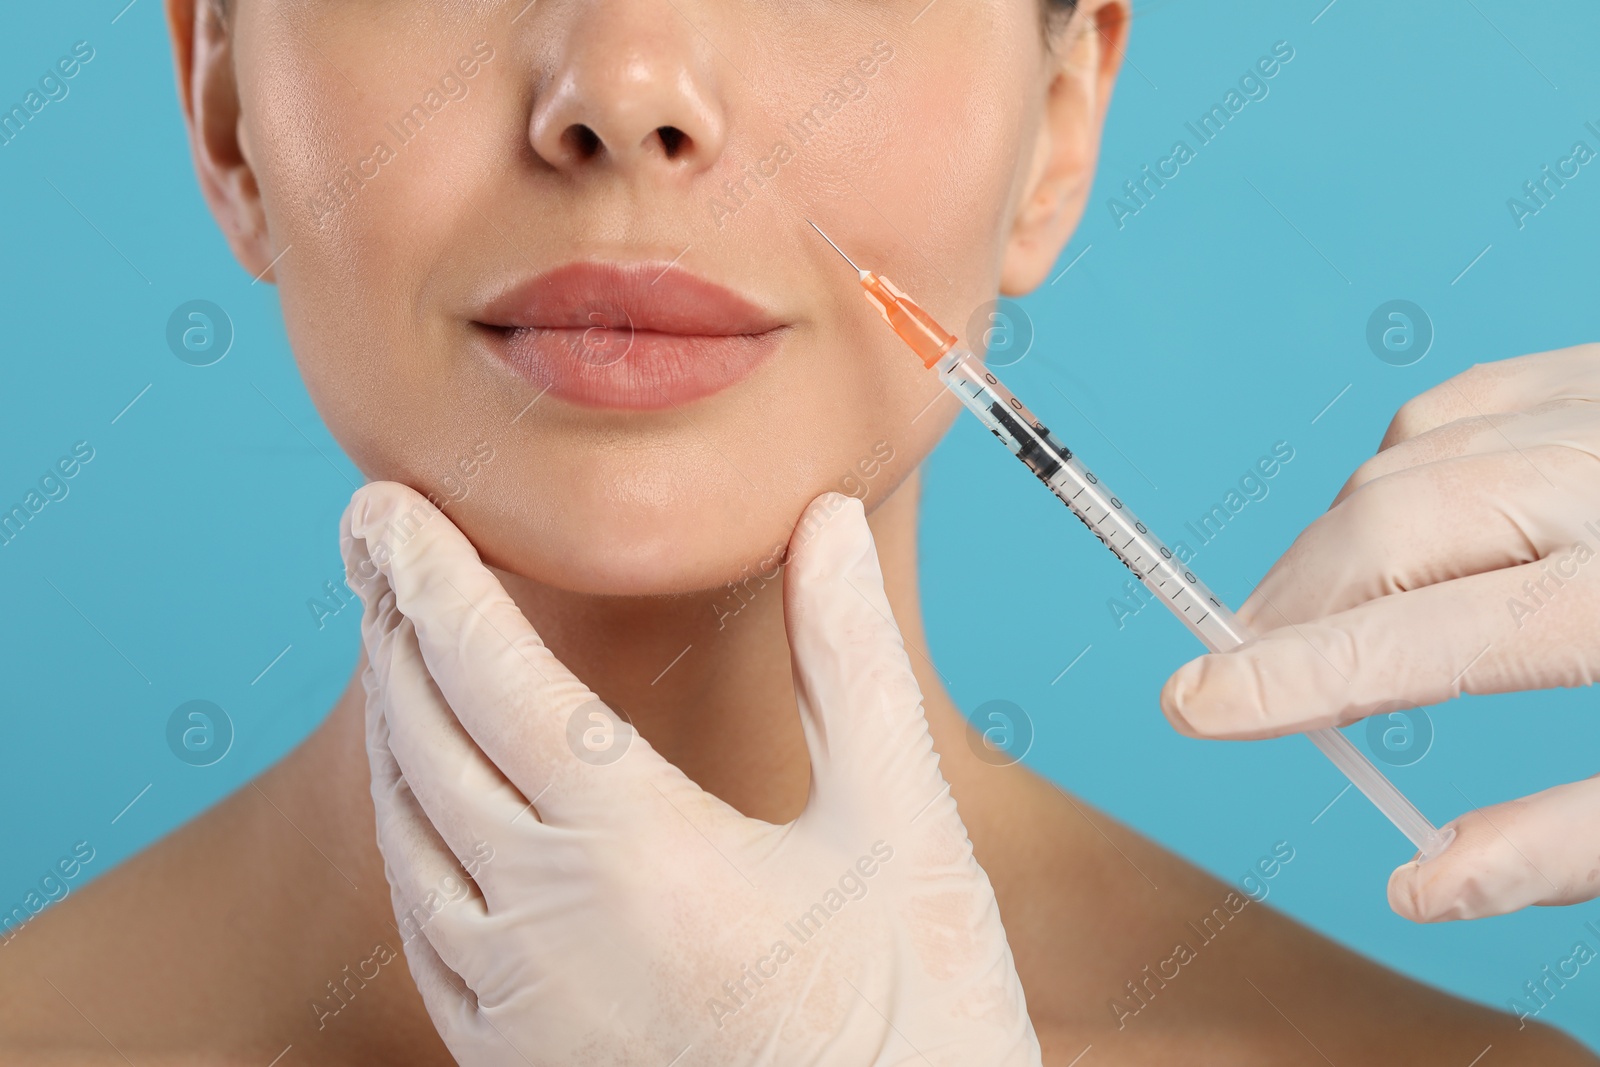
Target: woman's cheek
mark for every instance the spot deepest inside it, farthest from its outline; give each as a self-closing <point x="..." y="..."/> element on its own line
<point x="965" y="115"/>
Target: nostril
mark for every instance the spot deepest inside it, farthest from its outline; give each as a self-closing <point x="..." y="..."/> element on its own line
<point x="673" y="140"/>
<point x="581" y="141"/>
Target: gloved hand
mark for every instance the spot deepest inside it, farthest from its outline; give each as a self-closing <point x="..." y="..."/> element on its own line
<point x="1459" y="559"/>
<point x="616" y="912"/>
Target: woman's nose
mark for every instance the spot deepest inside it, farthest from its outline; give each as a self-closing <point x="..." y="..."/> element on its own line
<point x="632" y="89"/>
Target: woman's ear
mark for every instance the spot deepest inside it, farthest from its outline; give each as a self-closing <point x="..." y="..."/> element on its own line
<point x="202" y="50"/>
<point x="1083" y="69"/>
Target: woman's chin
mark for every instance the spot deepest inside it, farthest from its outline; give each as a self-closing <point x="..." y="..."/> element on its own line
<point x="647" y="557"/>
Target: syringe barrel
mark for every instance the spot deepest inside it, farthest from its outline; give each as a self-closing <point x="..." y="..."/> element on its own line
<point x="1163" y="573"/>
<point x="1101" y="510"/>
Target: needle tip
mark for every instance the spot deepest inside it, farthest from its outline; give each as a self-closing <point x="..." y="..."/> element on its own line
<point x="836" y="248"/>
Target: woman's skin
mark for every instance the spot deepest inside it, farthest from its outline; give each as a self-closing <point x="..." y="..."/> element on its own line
<point x="617" y="531"/>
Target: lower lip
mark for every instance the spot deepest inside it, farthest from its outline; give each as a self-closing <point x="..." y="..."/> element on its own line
<point x="634" y="370"/>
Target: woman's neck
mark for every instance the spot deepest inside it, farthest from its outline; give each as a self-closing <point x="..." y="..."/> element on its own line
<point x="706" y="677"/>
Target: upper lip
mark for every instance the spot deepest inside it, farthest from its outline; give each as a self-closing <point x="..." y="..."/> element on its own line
<point x="654" y="297"/>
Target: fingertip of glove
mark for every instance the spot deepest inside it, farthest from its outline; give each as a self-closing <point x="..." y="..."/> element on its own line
<point x="382" y="520"/>
<point x="1175" y="698"/>
<point x="1207" y="698"/>
<point x="830" y="537"/>
<point x="373" y="506"/>
<point x="1413" y="894"/>
<point x="1451" y="884"/>
<point x="1402" y="892"/>
<point x="1252" y="692"/>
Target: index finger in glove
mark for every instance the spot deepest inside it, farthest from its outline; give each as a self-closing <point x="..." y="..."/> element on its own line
<point x="1485" y="633"/>
<point x="1501" y="386"/>
<point x="518" y="702"/>
<point x="1425" y="525"/>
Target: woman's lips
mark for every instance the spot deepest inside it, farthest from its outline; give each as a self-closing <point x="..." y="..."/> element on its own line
<point x="638" y="336"/>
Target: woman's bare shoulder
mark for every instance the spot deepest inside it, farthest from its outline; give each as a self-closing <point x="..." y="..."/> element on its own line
<point x="214" y="942"/>
<point x="87" y="966"/>
<point x="1126" y="946"/>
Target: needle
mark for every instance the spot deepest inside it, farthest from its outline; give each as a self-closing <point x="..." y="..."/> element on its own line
<point x="836" y="248"/>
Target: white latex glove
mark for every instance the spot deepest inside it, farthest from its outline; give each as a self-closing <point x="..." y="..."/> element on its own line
<point x="619" y="914"/>
<point x="1462" y="558"/>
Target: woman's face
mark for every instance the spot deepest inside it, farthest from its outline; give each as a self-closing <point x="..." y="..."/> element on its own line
<point x="548" y="261"/>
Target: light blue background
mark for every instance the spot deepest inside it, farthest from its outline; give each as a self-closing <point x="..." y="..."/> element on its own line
<point x="1191" y="339"/>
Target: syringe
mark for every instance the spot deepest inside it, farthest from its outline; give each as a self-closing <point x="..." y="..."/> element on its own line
<point x="1109" y="519"/>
